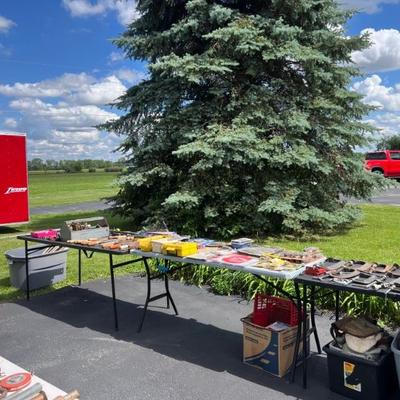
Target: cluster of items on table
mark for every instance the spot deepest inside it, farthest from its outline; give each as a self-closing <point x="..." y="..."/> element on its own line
<point x="358" y="274"/>
<point x="95" y="232"/>
<point x="21" y="386"/>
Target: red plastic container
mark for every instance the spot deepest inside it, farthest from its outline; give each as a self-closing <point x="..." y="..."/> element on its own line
<point x="269" y="309"/>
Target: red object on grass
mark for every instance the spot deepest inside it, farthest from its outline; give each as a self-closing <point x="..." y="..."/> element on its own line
<point x="14" y="207"/>
<point x="269" y="309"/>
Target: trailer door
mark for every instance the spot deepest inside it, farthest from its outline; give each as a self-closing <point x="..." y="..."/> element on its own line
<point x="14" y="207"/>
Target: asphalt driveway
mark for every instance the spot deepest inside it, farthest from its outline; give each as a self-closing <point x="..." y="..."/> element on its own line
<point x="67" y="338"/>
<point x="389" y="197"/>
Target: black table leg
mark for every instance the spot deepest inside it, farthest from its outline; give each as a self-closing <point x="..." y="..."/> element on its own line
<point x="146" y="304"/>
<point x="314" y="327"/>
<point x="169" y="297"/>
<point x="79" y="267"/>
<point x="298" y="335"/>
<point x="113" y="292"/>
<point x="304" y="332"/>
<point x="164" y="275"/>
<point x="337" y="304"/>
<point x="166" y="282"/>
<point x="27" y="270"/>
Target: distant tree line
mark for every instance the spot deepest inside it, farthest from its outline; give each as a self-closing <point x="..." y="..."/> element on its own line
<point x="389" y="143"/>
<point x="37" y="164"/>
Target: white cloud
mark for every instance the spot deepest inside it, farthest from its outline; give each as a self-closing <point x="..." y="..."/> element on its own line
<point x="79" y="8"/>
<point x="73" y="88"/>
<point x="10" y="123"/>
<point x="58" y="148"/>
<point x="125" y="9"/>
<point x="387" y="124"/>
<point x="6" y="24"/>
<point x="116" y="56"/>
<point x="387" y="98"/>
<point x="384" y="52"/>
<point x="60" y="131"/>
<point x="100" y="93"/>
<point x="50" y="87"/>
<point x="130" y="76"/>
<point x="60" y="115"/>
<point x="368" y="6"/>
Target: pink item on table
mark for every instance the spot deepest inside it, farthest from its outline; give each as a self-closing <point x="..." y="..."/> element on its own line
<point x="46" y="234"/>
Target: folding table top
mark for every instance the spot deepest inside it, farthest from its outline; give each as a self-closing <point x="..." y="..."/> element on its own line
<point x="337" y="286"/>
<point x="285" y="275"/>
<point x="8" y="368"/>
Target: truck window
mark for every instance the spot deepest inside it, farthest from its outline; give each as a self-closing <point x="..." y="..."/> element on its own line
<point x="379" y="155"/>
<point x="395" y="155"/>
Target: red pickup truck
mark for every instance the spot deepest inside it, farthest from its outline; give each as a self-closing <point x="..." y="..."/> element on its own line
<point x="386" y="162"/>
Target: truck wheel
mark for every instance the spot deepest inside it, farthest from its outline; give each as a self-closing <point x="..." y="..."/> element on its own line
<point x="377" y="171"/>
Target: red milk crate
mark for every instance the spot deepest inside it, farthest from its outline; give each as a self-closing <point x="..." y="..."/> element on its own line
<point x="269" y="309"/>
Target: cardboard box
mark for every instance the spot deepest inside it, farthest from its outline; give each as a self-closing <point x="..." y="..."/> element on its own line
<point x="269" y="350"/>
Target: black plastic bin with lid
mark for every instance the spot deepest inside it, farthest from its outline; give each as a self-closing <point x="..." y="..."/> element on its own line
<point x="359" y="378"/>
<point x="45" y="269"/>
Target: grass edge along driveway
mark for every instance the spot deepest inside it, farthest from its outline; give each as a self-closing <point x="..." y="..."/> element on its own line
<point x="375" y="238"/>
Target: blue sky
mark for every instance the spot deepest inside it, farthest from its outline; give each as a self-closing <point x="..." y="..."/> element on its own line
<point x="59" y="70"/>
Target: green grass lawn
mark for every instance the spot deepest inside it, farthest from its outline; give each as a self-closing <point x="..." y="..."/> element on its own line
<point x="94" y="268"/>
<point x="374" y="239"/>
<point x="57" y="189"/>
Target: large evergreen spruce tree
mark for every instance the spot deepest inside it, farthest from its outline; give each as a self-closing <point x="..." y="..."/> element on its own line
<point x="246" y="123"/>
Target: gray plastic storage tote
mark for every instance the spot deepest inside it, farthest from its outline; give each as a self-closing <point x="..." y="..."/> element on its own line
<point x="45" y="267"/>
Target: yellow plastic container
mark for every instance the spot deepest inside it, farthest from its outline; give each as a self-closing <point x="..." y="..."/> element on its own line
<point x="145" y="243"/>
<point x="180" y="249"/>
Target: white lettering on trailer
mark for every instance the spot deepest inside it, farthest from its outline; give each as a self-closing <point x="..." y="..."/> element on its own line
<point x="15" y="190"/>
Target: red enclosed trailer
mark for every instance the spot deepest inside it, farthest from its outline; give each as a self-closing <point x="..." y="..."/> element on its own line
<point x="14" y="203"/>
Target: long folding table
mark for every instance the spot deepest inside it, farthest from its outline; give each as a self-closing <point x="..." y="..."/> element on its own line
<point x="166" y="265"/>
